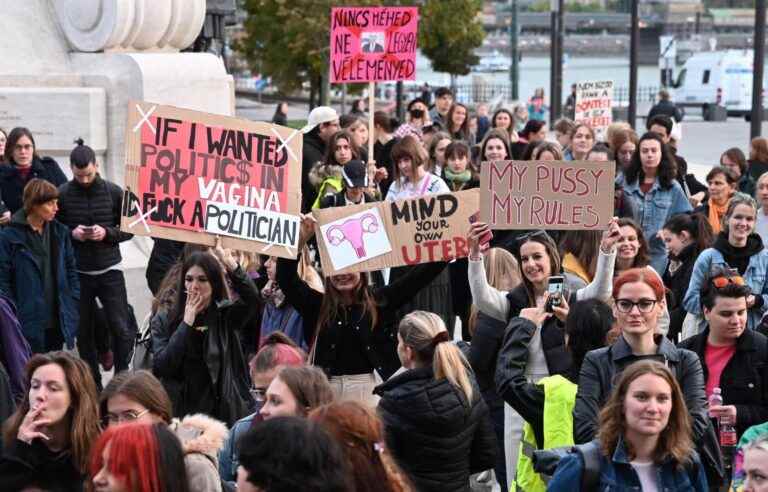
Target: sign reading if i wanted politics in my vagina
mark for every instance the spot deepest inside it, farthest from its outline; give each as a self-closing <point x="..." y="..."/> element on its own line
<point x="373" y="44"/>
<point x="192" y="176"/>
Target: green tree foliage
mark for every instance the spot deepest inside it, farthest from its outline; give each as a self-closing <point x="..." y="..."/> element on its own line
<point x="449" y="33"/>
<point x="289" y="39"/>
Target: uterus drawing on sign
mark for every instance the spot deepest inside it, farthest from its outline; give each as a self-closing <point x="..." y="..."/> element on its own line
<point x="356" y="238"/>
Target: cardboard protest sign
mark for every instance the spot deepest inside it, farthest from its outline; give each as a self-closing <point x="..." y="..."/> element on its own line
<point x="191" y="176"/>
<point x="594" y="102"/>
<point x="372" y="236"/>
<point x="547" y="194"/>
<point x="372" y="44"/>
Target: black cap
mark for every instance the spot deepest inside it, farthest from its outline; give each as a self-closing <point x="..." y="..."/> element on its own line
<point x="355" y="174"/>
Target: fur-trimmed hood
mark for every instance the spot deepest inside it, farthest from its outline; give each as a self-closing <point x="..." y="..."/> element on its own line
<point x="321" y="172"/>
<point x="200" y="433"/>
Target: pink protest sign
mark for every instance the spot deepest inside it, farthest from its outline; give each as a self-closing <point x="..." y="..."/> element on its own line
<point x="373" y="44"/>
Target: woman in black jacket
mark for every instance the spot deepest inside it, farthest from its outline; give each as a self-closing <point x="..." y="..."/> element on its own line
<point x="23" y="165"/>
<point x="47" y="441"/>
<point x="197" y="352"/>
<point x="351" y="327"/>
<point x="685" y="236"/>
<point x="435" y="420"/>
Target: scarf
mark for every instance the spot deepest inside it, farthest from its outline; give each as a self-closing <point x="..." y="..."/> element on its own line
<point x="461" y="177"/>
<point x="716" y="213"/>
<point x="272" y="293"/>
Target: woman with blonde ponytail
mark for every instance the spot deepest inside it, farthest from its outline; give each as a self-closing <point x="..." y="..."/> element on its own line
<point x="436" y="423"/>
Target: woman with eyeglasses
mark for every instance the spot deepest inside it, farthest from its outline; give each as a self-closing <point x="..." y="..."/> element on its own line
<point x="47" y="441"/>
<point x="277" y="351"/>
<point x="638" y="297"/>
<point x="738" y="247"/>
<point x="22" y="164"/>
<point x="139" y="397"/>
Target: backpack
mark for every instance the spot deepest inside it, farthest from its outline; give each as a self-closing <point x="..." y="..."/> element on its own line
<point x="545" y="462"/>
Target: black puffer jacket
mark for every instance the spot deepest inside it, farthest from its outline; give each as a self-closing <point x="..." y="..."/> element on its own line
<point x="433" y="432"/>
<point x="744" y="379"/>
<point x="483" y="355"/>
<point x="313" y="151"/>
<point x="12" y="185"/>
<point x="98" y="204"/>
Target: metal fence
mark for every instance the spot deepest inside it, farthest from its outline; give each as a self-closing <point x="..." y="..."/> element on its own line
<point x="477" y="93"/>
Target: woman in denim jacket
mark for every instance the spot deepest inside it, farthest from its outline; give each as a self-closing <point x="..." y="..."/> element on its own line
<point x="650" y="184"/>
<point x="737" y="246"/>
<point x="644" y="442"/>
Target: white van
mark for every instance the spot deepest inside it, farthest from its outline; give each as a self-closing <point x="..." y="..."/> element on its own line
<point x="717" y="78"/>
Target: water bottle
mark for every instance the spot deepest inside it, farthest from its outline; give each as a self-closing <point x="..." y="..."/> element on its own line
<point x="715" y="399"/>
<point x="726" y="429"/>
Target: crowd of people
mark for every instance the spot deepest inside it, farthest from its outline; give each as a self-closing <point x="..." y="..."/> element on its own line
<point x="647" y="370"/>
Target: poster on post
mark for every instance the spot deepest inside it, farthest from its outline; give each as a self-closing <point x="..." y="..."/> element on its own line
<point x="372" y="236"/>
<point x="564" y="195"/>
<point x="594" y="105"/>
<point x="373" y="44"/>
<point x="191" y="176"/>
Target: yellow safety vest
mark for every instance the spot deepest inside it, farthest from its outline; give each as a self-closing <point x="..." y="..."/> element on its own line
<point x="332" y="182"/>
<point x="559" y="400"/>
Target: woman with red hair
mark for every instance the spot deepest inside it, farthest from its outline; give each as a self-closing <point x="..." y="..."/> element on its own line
<point x="360" y="432"/>
<point x="638" y="302"/>
<point x="138" y="457"/>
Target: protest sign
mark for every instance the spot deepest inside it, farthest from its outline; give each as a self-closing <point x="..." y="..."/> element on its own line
<point x="547" y="194"/>
<point x="594" y="102"/>
<point x="372" y="44"/>
<point x="372" y="236"/>
<point x="191" y="176"/>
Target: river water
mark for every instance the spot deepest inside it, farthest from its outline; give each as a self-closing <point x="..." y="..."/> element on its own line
<point x="534" y="72"/>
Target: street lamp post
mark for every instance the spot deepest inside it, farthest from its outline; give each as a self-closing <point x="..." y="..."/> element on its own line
<point x="634" y="41"/>
<point x="514" y="73"/>
<point x="758" y="66"/>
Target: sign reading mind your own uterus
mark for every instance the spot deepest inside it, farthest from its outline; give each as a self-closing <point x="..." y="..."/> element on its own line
<point x="192" y="176"/>
<point x="378" y="235"/>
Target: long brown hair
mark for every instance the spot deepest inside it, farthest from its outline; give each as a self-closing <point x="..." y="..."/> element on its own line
<point x="308" y="384"/>
<point x="330" y="153"/>
<point x="141" y="387"/>
<point x="332" y="308"/>
<point x="584" y="246"/>
<point x="361" y="434"/>
<point x="642" y="258"/>
<point x="554" y="260"/>
<point x="503" y="273"/>
<point x="758" y="149"/>
<point x="674" y="441"/>
<point x="83" y="411"/>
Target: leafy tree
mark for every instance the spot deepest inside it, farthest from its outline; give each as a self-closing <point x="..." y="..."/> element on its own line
<point x="449" y="33"/>
<point x="289" y="40"/>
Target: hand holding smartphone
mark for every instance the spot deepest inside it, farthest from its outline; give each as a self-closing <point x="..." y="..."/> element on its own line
<point x="555" y="291"/>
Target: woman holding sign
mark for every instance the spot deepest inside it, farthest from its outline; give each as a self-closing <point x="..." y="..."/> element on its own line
<point x="412" y="180"/>
<point x="352" y="327"/>
<point x="539" y="260"/>
<point x="650" y="184"/>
